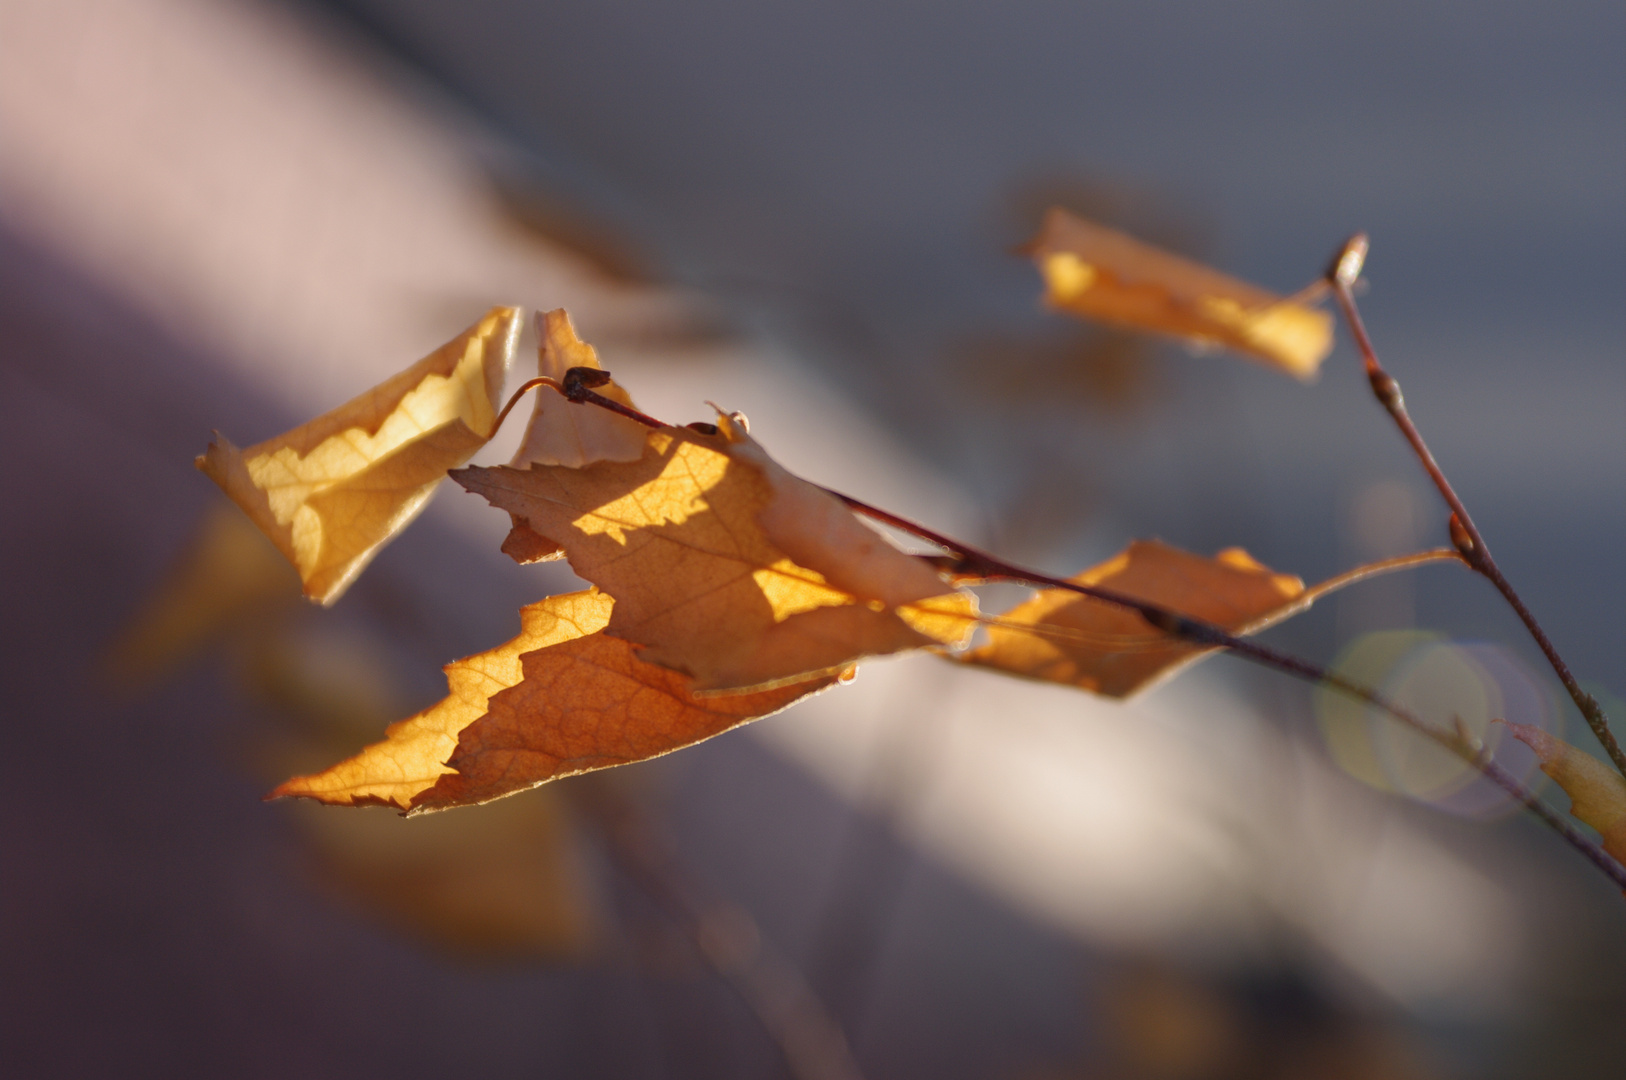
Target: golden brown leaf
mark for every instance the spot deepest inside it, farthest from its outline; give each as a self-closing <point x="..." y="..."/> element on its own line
<point x="726" y="567"/>
<point x="331" y="493"/>
<point x="1061" y="636"/>
<point x="560" y="433"/>
<point x="1597" y="792"/>
<point x="1101" y="274"/>
<point x="561" y="698"/>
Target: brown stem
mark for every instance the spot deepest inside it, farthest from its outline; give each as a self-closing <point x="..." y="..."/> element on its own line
<point x="1374" y="569"/>
<point x="1270" y="618"/>
<point x="1342" y="275"/>
<point x="577" y="387"/>
<point x="524" y="388"/>
<point x="968" y="563"/>
<point x="971" y="563"/>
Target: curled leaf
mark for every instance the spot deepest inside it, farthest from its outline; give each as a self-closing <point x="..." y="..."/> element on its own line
<point x="1101" y="274"/>
<point x="332" y="492"/>
<point x="726" y="567"/>
<point x="560" y="433"/>
<point x="561" y="698"/>
<point x="1061" y="636"/>
<point x="1597" y="792"/>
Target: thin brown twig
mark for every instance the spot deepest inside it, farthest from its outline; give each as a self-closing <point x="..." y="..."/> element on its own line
<point x="1375" y="569"/>
<point x="1341" y="276"/>
<point x="981" y="565"/>
<point x="1299" y="603"/>
<point x="967" y="563"/>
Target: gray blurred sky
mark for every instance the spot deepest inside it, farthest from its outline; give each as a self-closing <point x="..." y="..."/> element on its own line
<point x="853" y="175"/>
<point x="861" y="151"/>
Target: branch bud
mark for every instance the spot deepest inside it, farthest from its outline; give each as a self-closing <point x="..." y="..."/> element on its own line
<point x="1346" y="268"/>
<point x="1462" y="539"/>
<point x="578" y="380"/>
<point x="1386" y="389"/>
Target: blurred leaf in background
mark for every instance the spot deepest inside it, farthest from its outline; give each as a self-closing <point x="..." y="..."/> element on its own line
<point x="508" y="884"/>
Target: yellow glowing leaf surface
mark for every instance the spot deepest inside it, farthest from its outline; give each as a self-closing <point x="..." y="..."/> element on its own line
<point x="727" y="568"/>
<point x="1104" y="275"/>
<point x="561" y="698"/>
<point x="1061" y="636"/>
<point x="332" y="492"/>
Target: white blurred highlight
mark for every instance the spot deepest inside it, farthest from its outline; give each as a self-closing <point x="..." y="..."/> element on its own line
<point x="1178" y="819"/>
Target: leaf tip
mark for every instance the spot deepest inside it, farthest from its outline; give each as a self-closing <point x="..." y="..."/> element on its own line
<point x="1547" y="748"/>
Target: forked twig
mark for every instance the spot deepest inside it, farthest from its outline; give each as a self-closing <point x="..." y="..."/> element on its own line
<point x="980" y="565"/>
<point x="1342" y="276"/>
<point x="970" y="564"/>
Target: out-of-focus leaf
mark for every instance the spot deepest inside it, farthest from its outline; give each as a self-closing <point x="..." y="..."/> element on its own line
<point x="332" y="492"/>
<point x="1597" y="792"/>
<point x="727" y="568"/>
<point x="228" y="572"/>
<point x="509" y="882"/>
<point x="1101" y="274"/>
<point x="1061" y="636"/>
<point x="561" y="433"/>
<point x="562" y="698"/>
<point x="1110" y="372"/>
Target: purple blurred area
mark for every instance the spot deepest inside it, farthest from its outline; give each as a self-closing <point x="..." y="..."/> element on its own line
<point x="231" y="214"/>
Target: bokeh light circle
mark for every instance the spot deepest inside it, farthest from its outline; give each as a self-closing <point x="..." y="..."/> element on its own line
<point x="1441" y="681"/>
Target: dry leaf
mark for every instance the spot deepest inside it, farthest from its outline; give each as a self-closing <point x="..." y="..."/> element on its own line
<point x="331" y="493"/>
<point x="1101" y="274"/>
<point x="561" y="433"/>
<point x="562" y="698"/>
<point x="1061" y="636"/>
<point x="726" y="567"/>
<point x="1597" y="792"/>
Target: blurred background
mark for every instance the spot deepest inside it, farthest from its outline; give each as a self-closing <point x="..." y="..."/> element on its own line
<point x="236" y="214"/>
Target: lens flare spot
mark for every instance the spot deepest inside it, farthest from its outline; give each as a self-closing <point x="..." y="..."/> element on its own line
<point x="1442" y="682"/>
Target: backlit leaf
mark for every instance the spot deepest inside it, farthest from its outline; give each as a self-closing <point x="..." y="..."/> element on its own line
<point x="1597" y="792"/>
<point x="1061" y="636"/>
<point x="1101" y="274"/>
<point x="561" y="698"/>
<point x="331" y="493"/>
<point x="726" y="567"/>
<point x="561" y="433"/>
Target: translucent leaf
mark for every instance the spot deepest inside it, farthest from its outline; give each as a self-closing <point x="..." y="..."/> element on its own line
<point x="332" y="492"/>
<point x="1100" y="274"/>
